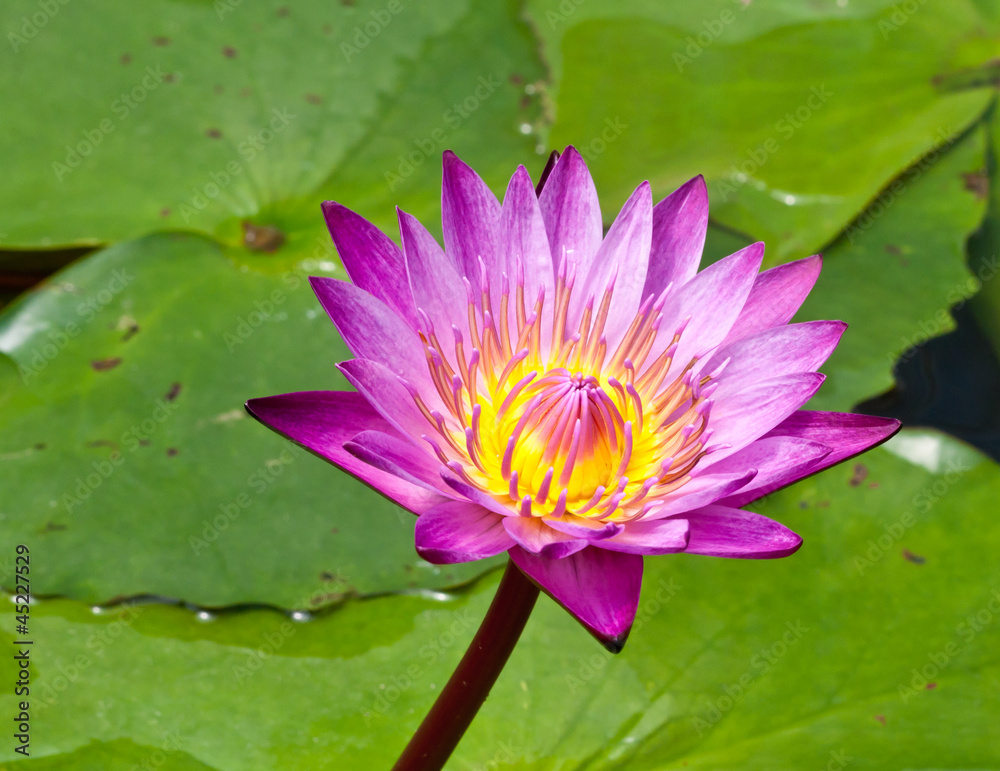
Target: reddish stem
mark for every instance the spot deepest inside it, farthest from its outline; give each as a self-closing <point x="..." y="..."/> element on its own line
<point x="470" y="684"/>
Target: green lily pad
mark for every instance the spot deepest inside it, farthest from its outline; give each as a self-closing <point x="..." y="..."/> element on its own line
<point x="797" y="118"/>
<point x="127" y="457"/>
<point x="201" y="115"/>
<point x="878" y="641"/>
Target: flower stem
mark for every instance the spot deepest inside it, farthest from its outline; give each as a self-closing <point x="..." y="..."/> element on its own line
<point x="470" y="684"/>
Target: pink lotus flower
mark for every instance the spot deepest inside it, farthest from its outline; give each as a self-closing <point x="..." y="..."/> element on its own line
<point x="577" y="401"/>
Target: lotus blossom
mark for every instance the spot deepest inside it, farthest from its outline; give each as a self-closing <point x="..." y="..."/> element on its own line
<point x="574" y="399"/>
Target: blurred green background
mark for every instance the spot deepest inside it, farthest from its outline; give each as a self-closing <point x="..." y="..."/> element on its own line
<point x="207" y="596"/>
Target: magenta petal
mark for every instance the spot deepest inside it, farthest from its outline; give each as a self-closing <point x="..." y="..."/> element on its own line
<point x="524" y="247"/>
<point x="719" y="531"/>
<point x="322" y="421"/>
<point x="399" y="457"/>
<point x="475" y="495"/>
<point x="721" y="287"/>
<point x="775" y="297"/>
<point x="532" y="534"/>
<point x="621" y="263"/>
<point x="470" y="219"/>
<point x="370" y="258"/>
<point x="783" y="350"/>
<point x="703" y="489"/>
<point x="438" y="290"/>
<point x="572" y="212"/>
<point x="748" y="415"/>
<point x="779" y="460"/>
<point x="680" y="222"/>
<point x="599" y="587"/>
<point x="457" y="531"/>
<point x="662" y="536"/>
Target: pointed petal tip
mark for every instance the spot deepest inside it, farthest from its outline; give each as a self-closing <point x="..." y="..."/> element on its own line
<point x="612" y="644"/>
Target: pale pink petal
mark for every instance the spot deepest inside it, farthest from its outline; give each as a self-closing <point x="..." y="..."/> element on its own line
<point x="572" y="212"/>
<point x="399" y="457"/>
<point x="701" y="490"/>
<point x="532" y="534"/>
<point x="599" y="587"/>
<point x="581" y="527"/>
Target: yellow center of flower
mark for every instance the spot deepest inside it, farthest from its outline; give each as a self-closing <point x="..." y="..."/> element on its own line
<point x="572" y="430"/>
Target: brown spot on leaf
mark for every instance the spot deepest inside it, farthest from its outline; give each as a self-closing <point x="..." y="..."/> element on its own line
<point x="327" y="29"/>
<point x="283" y="11"/>
<point x="860" y="472"/>
<point x="803" y="505"/>
<point x="219" y="89"/>
<point x="103" y="365"/>
<point x="102" y="443"/>
<point x="931" y="686"/>
<point x="525" y="102"/>
<point x="824" y="504"/>
<point x="125" y="58"/>
<point x="175" y="388"/>
<point x="335" y="530"/>
<point x="516" y="79"/>
<point x="245" y="92"/>
<point x="893" y="249"/>
<point x="161" y="41"/>
<point x="53" y="527"/>
<point x="916" y="559"/>
<point x="40" y="446"/>
<point x="873" y="485"/>
<point x="165" y="211"/>
<point x="144" y="442"/>
<point x="169" y="77"/>
<point x="229" y="52"/>
<point x="326" y="575"/>
<point x="880" y="718"/>
<point x="213" y="133"/>
<point x="262" y="238"/>
<point x="314" y="99"/>
<point x="977" y="183"/>
<point x="171" y="452"/>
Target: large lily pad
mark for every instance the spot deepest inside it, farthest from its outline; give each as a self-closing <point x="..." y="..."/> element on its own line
<point x="794" y="135"/>
<point x="877" y="642"/>
<point x="198" y="115"/>
<point x="127" y="458"/>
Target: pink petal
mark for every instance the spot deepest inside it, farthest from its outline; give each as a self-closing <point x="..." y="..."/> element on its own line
<point x="662" y="536"/>
<point x="434" y="281"/>
<point x="382" y="389"/>
<point x="523" y="243"/>
<point x="775" y="297"/>
<point x="599" y="587"/>
<point x="572" y="212"/>
<point x="322" y="421"/>
<point x="399" y="457"/>
<point x="580" y="527"/>
<point x="845" y="434"/>
<point x="371" y="329"/>
<point x="712" y="300"/>
<point x="719" y="531"/>
<point x="457" y="531"/>
<point x="703" y="489"/>
<point x="532" y="534"/>
<point x="751" y="413"/>
<point x="622" y="259"/>
<point x="370" y="258"/>
<point x="470" y="218"/>
<point x="779" y="461"/>
<point x="783" y="350"/>
<point x="680" y="222"/>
